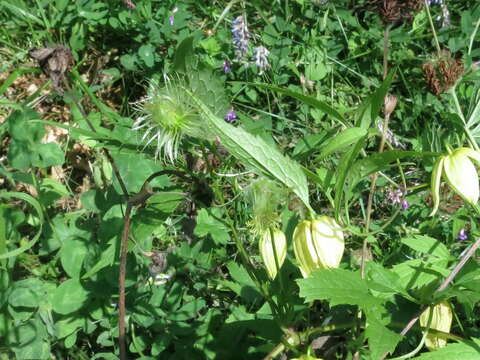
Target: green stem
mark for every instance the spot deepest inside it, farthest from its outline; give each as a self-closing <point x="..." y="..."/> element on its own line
<point x="277" y="263"/>
<point x="472" y="37"/>
<point x="459" y="112"/>
<point x="435" y="38"/>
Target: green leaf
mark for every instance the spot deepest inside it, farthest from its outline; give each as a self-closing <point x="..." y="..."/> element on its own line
<point x="384" y="280"/>
<point x="69" y="297"/>
<point x="318" y="104"/>
<point x="308" y="144"/>
<point x="344" y="139"/>
<point x="339" y="287"/>
<point x="67" y="326"/>
<point x="29" y="341"/>
<point x="381" y="340"/>
<point x="36" y="205"/>
<point x="107" y="258"/>
<point x="135" y="168"/>
<point x="183" y="55"/>
<point x="343" y="170"/>
<point x="72" y="254"/>
<point x="427" y="245"/>
<point x="466" y="350"/>
<point x="26" y="293"/>
<point x="128" y="61"/>
<point x="208" y="224"/>
<point x="26" y="148"/>
<point x="254" y="152"/>
<point x="378" y="162"/>
<point x="418" y="272"/>
<point x="146" y="54"/>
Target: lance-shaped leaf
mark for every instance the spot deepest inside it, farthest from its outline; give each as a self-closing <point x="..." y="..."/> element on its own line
<point x="256" y="153"/>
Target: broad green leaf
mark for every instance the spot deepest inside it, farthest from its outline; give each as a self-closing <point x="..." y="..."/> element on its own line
<point x="254" y="152"/>
<point x="107" y="258"/>
<point x="418" y="272"/>
<point x="29" y="341"/>
<point x="72" y="254"/>
<point x="67" y="326"/>
<point x="36" y="205"/>
<point x="146" y="54"/>
<point x="128" y="61"/>
<point x="318" y="104"/>
<point x="427" y="245"/>
<point x="183" y="55"/>
<point x="26" y="293"/>
<point x="384" y="281"/>
<point x="135" y="168"/>
<point x="466" y="350"/>
<point x="69" y="297"/>
<point x="187" y="311"/>
<point x="381" y="340"/>
<point x="338" y="286"/>
<point x="208" y="224"/>
<point x="342" y="140"/>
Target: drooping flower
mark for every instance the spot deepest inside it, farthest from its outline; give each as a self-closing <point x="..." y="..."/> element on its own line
<point x="273" y="250"/>
<point x="241" y="36"/>
<point x="441" y="319"/>
<point x="459" y="172"/>
<point x="318" y="244"/>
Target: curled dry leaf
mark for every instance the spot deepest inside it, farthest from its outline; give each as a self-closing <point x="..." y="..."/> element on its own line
<point x="54" y="62"/>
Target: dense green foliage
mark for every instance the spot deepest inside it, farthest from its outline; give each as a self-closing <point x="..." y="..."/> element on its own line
<point x="255" y="115"/>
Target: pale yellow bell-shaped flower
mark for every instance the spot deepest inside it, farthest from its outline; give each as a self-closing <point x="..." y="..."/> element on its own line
<point x="441" y="321"/>
<point x="269" y="246"/>
<point x="459" y="172"/>
<point x="318" y="244"/>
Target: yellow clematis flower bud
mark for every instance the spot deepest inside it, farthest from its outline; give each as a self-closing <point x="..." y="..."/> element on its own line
<point x="459" y="172"/>
<point x="269" y="247"/>
<point x="318" y="244"/>
<point x="441" y="320"/>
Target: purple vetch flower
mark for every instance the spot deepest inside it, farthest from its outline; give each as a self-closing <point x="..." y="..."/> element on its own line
<point x="462" y="235"/>
<point x="404" y="204"/>
<point x="171" y="18"/>
<point x="260" y="58"/>
<point x="241" y="36"/>
<point x="226" y="66"/>
<point x="231" y="116"/>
